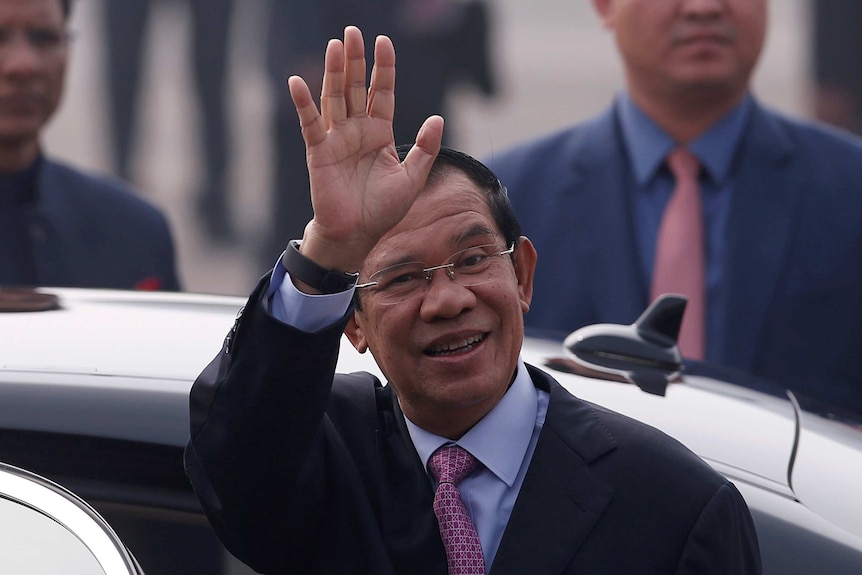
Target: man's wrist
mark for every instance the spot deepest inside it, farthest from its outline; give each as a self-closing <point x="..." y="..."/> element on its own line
<point x="314" y="275"/>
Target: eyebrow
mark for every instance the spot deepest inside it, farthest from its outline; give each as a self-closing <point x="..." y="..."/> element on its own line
<point x="474" y="231"/>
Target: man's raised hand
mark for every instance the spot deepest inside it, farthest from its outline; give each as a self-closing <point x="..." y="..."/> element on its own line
<point x="359" y="188"/>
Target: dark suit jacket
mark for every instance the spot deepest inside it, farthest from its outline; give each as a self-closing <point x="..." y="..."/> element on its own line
<point x="91" y="231"/>
<point x="302" y="474"/>
<point x="793" y="269"/>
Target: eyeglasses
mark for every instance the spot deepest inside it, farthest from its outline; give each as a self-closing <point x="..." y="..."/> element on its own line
<point x="401" y="282"/>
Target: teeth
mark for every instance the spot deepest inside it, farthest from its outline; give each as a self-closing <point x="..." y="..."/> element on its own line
<point x="458" y="345"/>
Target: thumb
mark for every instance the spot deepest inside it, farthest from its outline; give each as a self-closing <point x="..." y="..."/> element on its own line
<point x="421" y="156"/>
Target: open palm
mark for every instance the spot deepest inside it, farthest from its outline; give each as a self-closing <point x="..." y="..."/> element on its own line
<point x="359" y="187"/>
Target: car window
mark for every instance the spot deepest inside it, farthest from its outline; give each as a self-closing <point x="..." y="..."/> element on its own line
<point x="47" y="530"/>
<point x="31" y="543"/>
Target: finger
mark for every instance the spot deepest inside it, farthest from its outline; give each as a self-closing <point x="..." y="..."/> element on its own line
<point x="354" y="87"/>
<point x="332" y="105"/>
<point x="313" y="128"/>
<point x="381" y="95"/>
<point x="421" y="156"/>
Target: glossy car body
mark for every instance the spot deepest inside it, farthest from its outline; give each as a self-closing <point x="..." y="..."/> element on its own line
<point x="47" y="530"/>
<point x="94" y="395"/>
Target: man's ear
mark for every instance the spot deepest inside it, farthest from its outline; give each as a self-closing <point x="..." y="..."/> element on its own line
<point x="354" y="333"/>
<point x="525" y="269"/>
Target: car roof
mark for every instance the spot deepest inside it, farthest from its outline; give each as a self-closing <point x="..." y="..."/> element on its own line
<point x="119" y="333"/>
<point x="106" y="363"/>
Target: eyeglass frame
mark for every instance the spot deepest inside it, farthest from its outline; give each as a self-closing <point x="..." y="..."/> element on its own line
<point x="429" y="271"/>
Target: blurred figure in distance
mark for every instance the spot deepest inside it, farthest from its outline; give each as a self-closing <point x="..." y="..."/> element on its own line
<point x="60" y="226"/>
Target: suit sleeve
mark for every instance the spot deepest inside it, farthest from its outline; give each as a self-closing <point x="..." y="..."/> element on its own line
<point x="723" y="540"/>
<point x="259" y="437"/>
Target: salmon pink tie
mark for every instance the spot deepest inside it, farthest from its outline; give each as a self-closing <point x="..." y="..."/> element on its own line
<point x="679" y="259"/>
<point x="449" y="465"/>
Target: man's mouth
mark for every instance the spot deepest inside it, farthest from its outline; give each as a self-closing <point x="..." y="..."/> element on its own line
<point x="456" y="347"/>
<point x="21" y="103"/>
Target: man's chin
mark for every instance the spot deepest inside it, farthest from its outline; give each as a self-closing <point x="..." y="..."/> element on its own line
<point x="718" y="86"/>
<point x="711" y="74"/>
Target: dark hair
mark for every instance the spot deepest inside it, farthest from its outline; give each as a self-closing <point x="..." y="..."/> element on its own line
<point x="67" y="8"/>
<point x="480" y="174"/>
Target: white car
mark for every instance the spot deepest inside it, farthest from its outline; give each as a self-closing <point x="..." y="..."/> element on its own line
<point x="94" y="395"/>
<point x="47" y="530"/>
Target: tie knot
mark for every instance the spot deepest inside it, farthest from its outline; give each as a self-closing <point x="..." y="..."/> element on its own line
<point x="451" y="464"/>
<point x="683" y="164"/>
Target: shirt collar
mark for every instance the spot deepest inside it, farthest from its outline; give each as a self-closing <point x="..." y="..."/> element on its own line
<point x="500" y="439"/>
<point x="648" y="144"/>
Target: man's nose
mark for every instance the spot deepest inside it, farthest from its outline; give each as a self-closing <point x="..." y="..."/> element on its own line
<point x="17" y="54"/>
<point x="703" y="8"/>
<point x="445" y="297"/>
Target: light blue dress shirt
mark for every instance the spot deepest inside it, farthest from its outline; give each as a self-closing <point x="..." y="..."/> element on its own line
<point x="503" y="441"/>
<point x="648" y="145"/>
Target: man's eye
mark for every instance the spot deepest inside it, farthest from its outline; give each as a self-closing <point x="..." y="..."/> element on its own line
<point x="44" y="38"/>
<point x="472" y="260"/>
<point x="401" y="279"/>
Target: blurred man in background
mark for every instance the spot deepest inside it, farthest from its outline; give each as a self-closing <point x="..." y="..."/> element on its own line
<point x="767" y="247"/>
<point x="837" y="41"/>
<point x="126" y="26"/>
<point x="58" y="225"/>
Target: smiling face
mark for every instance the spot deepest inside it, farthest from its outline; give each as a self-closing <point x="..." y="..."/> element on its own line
<point x="451" y="352"/>
<point x="33" y="51"/>
<point x="673" y="48"/>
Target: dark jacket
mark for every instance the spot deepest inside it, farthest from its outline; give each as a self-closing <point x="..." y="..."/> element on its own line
<point x="90" y="231"/>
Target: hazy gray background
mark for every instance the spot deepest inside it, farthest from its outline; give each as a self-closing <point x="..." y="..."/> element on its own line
<point x="556" y="63"/>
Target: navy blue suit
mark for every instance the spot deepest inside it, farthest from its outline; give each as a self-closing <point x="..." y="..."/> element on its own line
<point x="793" y="269"/>
<point x="89" y="231"/>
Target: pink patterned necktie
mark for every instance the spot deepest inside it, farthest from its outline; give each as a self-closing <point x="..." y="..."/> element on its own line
<point x="679" y="259"/>
<point x="449" y="465"/>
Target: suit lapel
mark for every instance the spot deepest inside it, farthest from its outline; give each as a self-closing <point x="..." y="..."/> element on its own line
<point x="603" y="177"/>
<point x="408" y="522"/>
<point x="561" y="498"/>
<point x="760" y="228"/>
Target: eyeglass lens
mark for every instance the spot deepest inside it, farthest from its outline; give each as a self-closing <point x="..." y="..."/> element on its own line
<point x="470" y="267"/>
